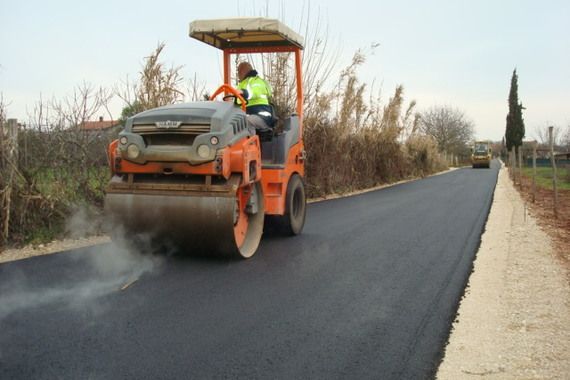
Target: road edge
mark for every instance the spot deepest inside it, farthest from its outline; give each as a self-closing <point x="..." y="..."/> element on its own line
<point x="514" y="314"/>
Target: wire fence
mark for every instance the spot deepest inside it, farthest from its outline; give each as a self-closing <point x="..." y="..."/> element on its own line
<point x="541" y="173"/>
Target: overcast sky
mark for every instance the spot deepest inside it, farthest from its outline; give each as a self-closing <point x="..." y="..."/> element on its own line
<point x="449" y="52"/>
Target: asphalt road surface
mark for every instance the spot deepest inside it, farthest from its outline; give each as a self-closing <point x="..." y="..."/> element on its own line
<point x="368" y="291"/>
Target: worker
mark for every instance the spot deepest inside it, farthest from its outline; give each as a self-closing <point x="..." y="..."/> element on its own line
<point x="257" y="92"/>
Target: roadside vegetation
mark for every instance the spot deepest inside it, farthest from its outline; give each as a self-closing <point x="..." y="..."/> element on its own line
<point x="554" y="217"/>
<point x="52" y="167"/>
<point x="354" y="139"/>
<point x="544" y="177"/>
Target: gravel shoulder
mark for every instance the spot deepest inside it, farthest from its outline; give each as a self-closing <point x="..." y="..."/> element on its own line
<point x="49" y="248"/>
<point x="514" y="320"/>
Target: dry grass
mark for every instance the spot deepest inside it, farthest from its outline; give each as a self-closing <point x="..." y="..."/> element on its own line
<point x="354" y="143"/>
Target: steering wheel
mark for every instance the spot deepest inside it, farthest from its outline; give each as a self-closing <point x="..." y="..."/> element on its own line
<point x="230" y="93"/>
<point x="229" y="96"/>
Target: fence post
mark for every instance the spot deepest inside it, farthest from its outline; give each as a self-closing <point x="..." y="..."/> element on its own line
<point x="9" y="149"/>
<point x="553" y="160"/>
<point x="534" y="171"/>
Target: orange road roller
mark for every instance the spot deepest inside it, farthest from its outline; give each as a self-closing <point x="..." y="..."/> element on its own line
<point x="195" y="176"/>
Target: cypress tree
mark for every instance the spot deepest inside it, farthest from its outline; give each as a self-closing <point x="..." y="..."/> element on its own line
<point x="514" y="133"/>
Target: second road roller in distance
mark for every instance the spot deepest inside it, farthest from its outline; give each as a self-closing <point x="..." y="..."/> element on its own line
<point x="481" y="154"/>
<point x="194" y="175"/>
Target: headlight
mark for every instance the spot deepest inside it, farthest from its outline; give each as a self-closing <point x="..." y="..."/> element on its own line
<point x="204" y="151"/>
<point x="123" y="140"/>
<point x="133" y="151"/>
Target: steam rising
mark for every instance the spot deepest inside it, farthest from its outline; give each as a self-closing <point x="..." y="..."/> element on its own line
<point x="109" y="268"/>
<point x="82" y="222"/>
<point x="114" y="266"/>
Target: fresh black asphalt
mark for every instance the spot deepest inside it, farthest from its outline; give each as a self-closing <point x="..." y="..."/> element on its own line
<point x="368" y="291"/>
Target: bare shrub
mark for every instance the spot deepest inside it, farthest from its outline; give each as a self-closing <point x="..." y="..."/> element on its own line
<point x="157" y="86"/>
<point x="449" y="127"/>
<point x="60" y="164"/>
<point x="423" y="155"/>
<point x="196" y="90"/>
<point x="358" y="144"/>
<point x="320" y="60"/>
<point x="6" y="172"/>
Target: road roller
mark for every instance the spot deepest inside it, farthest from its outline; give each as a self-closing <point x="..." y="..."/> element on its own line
<point x="481" y="154"/>
<point x="195" y="176"/>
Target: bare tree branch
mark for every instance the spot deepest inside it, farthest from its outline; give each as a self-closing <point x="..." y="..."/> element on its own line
<point x="449" y="127"/>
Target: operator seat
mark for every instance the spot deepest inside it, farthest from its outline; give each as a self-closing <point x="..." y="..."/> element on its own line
<point x="275" y="150"/>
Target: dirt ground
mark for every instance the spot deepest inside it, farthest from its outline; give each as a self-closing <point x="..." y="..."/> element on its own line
<point x="543" y="209"/>
<point x="514" y="320"/>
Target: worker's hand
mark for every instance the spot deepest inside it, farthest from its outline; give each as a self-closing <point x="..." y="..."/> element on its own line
<point x="244" y="94"/>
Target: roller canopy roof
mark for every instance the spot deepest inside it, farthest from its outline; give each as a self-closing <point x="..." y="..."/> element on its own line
<point x="244" y="32"/>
